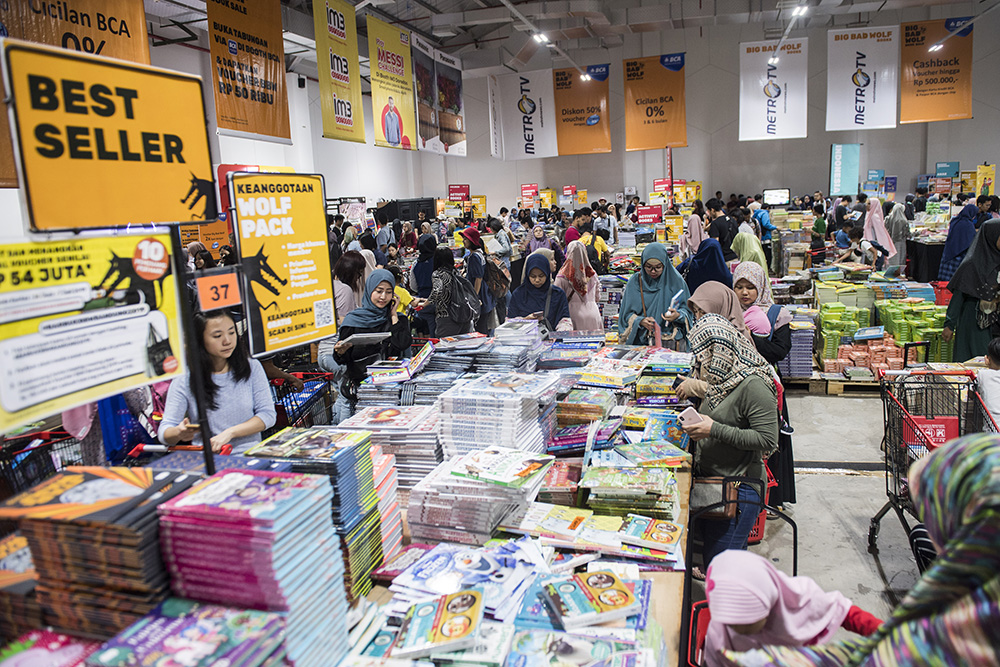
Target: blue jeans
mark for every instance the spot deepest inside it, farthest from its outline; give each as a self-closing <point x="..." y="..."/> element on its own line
<point x="342" y="410"/>
<point x="720" y="535"/>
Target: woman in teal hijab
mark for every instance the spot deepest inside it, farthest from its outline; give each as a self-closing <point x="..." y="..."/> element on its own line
<point x="647" y="298"/>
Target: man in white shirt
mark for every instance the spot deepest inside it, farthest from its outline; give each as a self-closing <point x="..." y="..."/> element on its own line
<point x="606" y="225"/>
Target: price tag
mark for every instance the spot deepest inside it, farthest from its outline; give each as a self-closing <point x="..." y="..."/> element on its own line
<point x="218" y="290"/>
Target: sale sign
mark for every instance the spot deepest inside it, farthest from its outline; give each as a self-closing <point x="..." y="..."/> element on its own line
<point x="459" y="192"/>
<point x="650" y="215"/>
<point x="661" y="185"/>
<point x="569" y="190"/>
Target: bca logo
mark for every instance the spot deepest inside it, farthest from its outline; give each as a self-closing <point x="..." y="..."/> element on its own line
<point x="232" y="47"/>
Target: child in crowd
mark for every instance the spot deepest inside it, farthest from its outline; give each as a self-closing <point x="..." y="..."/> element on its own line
<point x="401" y="293"/>
<point x="753" y="604"/>
<point x="842" y="237"/>
<point x="989" y="380"/>
<point x="862" y="251"/>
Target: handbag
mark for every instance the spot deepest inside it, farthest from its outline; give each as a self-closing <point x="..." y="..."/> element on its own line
<point x="710" y="491"/>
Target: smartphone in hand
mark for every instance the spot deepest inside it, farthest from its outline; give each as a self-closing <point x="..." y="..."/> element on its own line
<point x="689" y="417"/>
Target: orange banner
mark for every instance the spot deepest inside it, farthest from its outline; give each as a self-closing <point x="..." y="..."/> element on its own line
<point x="582" y="122"/>
<point x="248" y="67"/>
<point x="936" y="85"/>
<point x="655" y="114"/>
<point x="112" y="28"/>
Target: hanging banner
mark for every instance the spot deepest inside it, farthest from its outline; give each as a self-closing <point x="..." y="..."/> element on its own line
<point x="524" y="105"/>
<point x="283" y="245"/>
<point x="986" y="179"/>
<point x="84" y="319"/>
<point x="479" y="206"/>
<point x="339" y="78"/>
<point x="947" y="169"/>
<point x="83" y="143"/>
<point x="450" y="105"/>
<point x="425" y="83"/>
<point x="649" y="215"/>
<point x="968" y="181"/>
<point x="773" y="95"/>
<point x="248" y="68"/>
<point x="110" y="28"/>
<point x="936" y="85"/>
<point x="583" y="125"/>
<point x="392" y="85"/>
<point x="862" y="78"/>
<point x="845" y="169"/>
<point x="655" y="109"/>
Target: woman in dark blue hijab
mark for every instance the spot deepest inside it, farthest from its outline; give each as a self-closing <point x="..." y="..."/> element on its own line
<point x="707" y="265"/>
<point x="530" y="296"/>
<point x="961" y="231"/>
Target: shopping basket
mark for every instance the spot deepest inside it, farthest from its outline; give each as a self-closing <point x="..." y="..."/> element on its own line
<point x="301" y="408"/>
<point x="30" y="458"/>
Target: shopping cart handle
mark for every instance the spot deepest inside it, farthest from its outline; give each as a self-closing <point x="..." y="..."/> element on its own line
<point x="226" y="450"/>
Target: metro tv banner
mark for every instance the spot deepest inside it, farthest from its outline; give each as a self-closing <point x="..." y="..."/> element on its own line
<point x="862" y="78"/>
<point x="773" y="96"/>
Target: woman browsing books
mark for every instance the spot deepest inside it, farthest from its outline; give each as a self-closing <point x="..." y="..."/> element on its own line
<point x="579" y="281"/>
<point x="649" y="295"/>
<point x="537" y="298"/>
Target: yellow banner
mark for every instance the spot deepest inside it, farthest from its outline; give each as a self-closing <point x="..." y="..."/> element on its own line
<point x="392" y="86"/>
<point x="248" y="66"/>
<point x="479" y="206"/>
<point x="935" y="85"/>
<point x="100" y="155"/>
<point x="111" y="28"/>
<point x="283" y="245"/>
<point x="655" y="113"/>
<point x="84" y="319"/>
<point x="339" y="78"/>
<point x="986" y="179"/>
<point x="583" y="125"/>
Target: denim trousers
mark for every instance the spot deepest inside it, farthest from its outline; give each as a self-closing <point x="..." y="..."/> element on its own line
<point x="720" y="535"/>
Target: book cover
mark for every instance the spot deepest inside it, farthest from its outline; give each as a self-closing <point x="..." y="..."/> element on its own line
<point x="16" y="565"/>
<point x="651" y="533"/>
<point x="501" y="466"/>
<point x="627" y="481"/>
<point x="45" y="648"/>
<point x="404" y="559"/>
<point x="445" y="624"/>
<point x="655" y="453"/>
<point x="589" y="598"/>
<point x="541" y="648"/>
<point x="666" y="427"/>
<point x="251" y="495"/>
<point x="491" y="646"/>
<point x="386" y="418"/>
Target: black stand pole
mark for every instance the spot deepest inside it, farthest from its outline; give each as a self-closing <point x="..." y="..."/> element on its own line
<point x="191" y="348"/>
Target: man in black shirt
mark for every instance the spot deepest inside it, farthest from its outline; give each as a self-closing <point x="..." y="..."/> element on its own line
<point x="920" y="203"/>
<point x="722" y="228"/>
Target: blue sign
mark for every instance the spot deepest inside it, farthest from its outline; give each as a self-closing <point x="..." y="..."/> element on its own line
<point x="924" y="180"/>
<point x="890" y="184"/>
<point x="875" y="174"/>
<point x="946" y="170"/>
<point x="845" y="169"/>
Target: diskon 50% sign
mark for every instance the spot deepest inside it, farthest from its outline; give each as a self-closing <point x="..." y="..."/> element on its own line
<point x="89" y="129"/>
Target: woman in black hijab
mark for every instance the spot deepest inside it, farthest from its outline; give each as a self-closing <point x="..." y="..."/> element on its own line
<point x="420" y="280"/>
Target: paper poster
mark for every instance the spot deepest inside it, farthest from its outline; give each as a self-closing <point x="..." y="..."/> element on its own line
<point x="862" y="78"/>
<point x="845" y="169"/>
<point x="655" y="107"/>
<point x="459" y="192"/>
<point x="135" y="153"/>
<point x="583" y="124"/>
<point x="986" y="179"/>
<point x="674" y="227"/>
<point x="773" y="95"/>
<point x="968" y="181"/>
<point x="649" y="215"/>
<point x="339" y="78"/>
<point x="936" y="85"/>
<point x="947" y="170"/>
<point x="248" y="67"/>
<point x="83" y="319"/>
<point x="522" y="115"/>
<point x="479" y="209"/>
<point x="109" y="28"/>
<point x="392" y="85"/>
<point x="283" y="245"/>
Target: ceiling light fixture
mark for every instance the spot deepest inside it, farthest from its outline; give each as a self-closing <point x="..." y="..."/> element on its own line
<point x="937" y="46"/>
<point x="773" y="60"/>
<point x="541" y="37"/>
<point x="585" y="77"/>
<point x="800" y="11"/>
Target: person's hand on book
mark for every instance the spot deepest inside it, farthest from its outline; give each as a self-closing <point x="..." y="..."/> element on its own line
<point x="342" y="347"/>
<point x="671" y="315"/>
<point x="699" y="430"/>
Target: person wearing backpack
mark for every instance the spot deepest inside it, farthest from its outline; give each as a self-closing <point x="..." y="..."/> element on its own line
<point x="456" y="304"/>
<point x="597" y="250"/>
<point x="475" y="273"/>
<point x="864" y="251"/>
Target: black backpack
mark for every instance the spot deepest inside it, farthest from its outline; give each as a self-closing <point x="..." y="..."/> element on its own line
<point x="464" y="305"/>
<point x="884" y="254"/>
<point x="597" y="262"/>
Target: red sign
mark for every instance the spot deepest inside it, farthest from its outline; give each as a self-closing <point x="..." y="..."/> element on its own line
<point x="529" y="190"/>
<point x="661" y="185"/>
<point x="459" y="193"/>
<point x="569" y="190"/>
<point x="940" y="185"/>
<point x="650" y="215"/>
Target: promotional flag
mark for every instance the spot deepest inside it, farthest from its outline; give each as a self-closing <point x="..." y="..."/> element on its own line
<point x="936" y="85"/>
<point x="583" y="125"/>
<point x="845" y="169"/>
<point x="248" y="68"/>
<point x="425" y="82"/>
<point x="862" y="78"/>
<point x="655" y="114"/>
<point x="773" y="95"/>
<point x="339" y="79"/>
<point x="522" y="115"/>
<point x="450" y="104"/>
<point x="392" y="85"/>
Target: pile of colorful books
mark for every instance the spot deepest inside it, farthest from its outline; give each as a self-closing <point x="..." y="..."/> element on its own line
<point x="19" y="608"/>
<point x="573" y="439"/>
<point x="619" y="491"/>
<point x="408" y="433"/>
<point x="561" y="479"/>
<point x="582" y="406"/>
<point x="386" y="485"/>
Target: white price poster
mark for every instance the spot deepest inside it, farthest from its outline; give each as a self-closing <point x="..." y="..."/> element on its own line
<point x="773" y="90"/>
<point x="862" y="78"/>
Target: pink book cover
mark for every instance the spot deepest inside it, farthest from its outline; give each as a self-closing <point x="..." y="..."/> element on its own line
<point x="244" y="496"/>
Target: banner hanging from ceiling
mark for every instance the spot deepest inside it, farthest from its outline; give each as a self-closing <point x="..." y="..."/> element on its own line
<point x="440" y="104"/>
<point x="862" y="78"/>
<point x="583" y="125"/>
<point x="392" y="86"/>
<point x="248" y="68"/>
<point x="111" y="28"/>
<point x="425" y="86"/>
<point x="655" y="110"/>
<point x="523" y="117"/>
<point x="936" y="85"/>
<point x="845" y="169"/>
<point x="773" y="95"/>
<point x="339" y="79"/>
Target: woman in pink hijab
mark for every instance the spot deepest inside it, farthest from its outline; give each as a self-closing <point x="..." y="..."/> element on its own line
<point x="754" y="604"/>
<point x="875" y="226"/>
<point x="695" y="232"/>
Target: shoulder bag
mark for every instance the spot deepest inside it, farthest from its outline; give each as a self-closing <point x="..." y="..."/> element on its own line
<point x="712" y="490"/>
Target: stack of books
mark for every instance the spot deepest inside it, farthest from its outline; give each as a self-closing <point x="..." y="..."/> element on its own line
<point x="582" y="406"/>
<point x="400" y="370"/>
<point x="372" y="394"/>
<point x="194" y="462"/>
<point x="469" y="341"/>
<point x="610" y="372"/>
<point x="618" y="491"/>
<point x="660" y="361"/>
<point x="655" y="454"/>
<point x="408" y="433"/>
<point x="440" y="625"/>
<point x="426" y="387"/>
<point x="561" y="480"/>
<point x="386" y="485"/>
<point x="573" y="439"/>
<point x="449" y="362"/>
<point x="798" y="363"/>
<point x="589" y="598"/>
<point x="236" y="538"/>
<point x="517" y="331"/>
<point x="19" y="608"/>
<point x="499" y="358"/>
<point x="655" y="385"/>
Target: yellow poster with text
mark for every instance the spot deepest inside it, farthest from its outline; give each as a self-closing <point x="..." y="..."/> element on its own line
<point x="655" y="111"/>
<point x="105" y="143"/>
<point x="283" y="244"/>
<point x="84" y="319"/>
<point x="339" y="77"/>
<point x="110" y="28"/>
<point x="935" y="85"/>
<point x="583" y="125"/>
<point x="986" y="179"/>
<point x="479" y="206"/>
<point x="392" y="86"/>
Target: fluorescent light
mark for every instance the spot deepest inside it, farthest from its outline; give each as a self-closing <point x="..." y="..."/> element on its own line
<point x="935" y="47"/>
<point x="800" y="10"/>
<point x="541" y="38"/>
<point x="585" y="77"/>
<point x="773" y="60"/>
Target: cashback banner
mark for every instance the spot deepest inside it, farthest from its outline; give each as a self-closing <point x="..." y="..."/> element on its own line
<point x="83" y="142"/>
<point x="936" y="85"/>
<point x="84" y="319"/>
<point x="773" y="96"/>
<point x="248" y="67"/>
<point x="339" y="78"/>
<point x="523" y="115"/>
<point x="392" y="85"/>
<point x="283" y="244"/>
<point x="583" y="125"/>
<point x="845" y="169"/>
<point x="110" y="28"/>
<point x="862" y="78"/>
<point x="655" y="111"/>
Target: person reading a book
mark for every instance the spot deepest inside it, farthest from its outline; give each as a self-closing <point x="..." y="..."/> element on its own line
<point x="237" y="395"/>
<point x="377" y="314"/>
<point x="649" y="301"/>
<point x="538" y="299"/>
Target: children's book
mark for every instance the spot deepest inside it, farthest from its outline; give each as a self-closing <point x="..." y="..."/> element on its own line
<point x="654" y="454"/>
<point x="490" y="649"/>
<point x="541" y="648"/>
<point x="589" y="598"/>
<point x="502" y="466"/>
<point x="409" y="555"/>
<point x="651" y="533"/>
<point x="627" y="481"/>
<point x="666" y="427"/>
<point x="442" y="625"/>
<point x="47" y="649"/>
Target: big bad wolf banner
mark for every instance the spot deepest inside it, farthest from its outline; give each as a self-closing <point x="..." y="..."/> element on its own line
<point x="936" y="85"/>
<point x="773" y="96"/>
<point x="392" y="86"/>
<point x="582" y="123"/>
<point x="655" y="113"/>
<point x="862" y="78"/>
<point x="339" y="80"/>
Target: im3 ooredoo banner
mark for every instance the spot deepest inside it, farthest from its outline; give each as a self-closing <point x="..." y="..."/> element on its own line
<point x="583" y="125"/>
<point x="339" y="79"/>
<point x="110" y="28"/>
<point x="655" y="108"/>
<point x="523" y="114"/>
<point x="248" y="67"/>
<point x="283" y="244"/>
<point x="862" y="78"/>
<point x="83" y="319"/>
<point x="773" y="95"/>
<point x="936" y="85"/>
<point x="392" y="86"/>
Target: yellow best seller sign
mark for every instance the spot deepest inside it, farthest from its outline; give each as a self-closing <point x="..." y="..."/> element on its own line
<point x="106" y="143"/>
